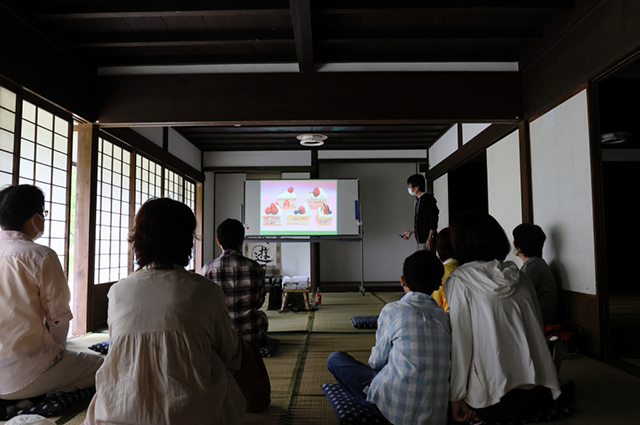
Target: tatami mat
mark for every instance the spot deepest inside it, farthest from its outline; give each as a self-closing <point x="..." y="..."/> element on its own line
<point x="605" y="395"/>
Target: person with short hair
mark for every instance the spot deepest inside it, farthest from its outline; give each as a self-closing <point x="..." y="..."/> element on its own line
<point x="407" y="379"/>
<point x="444" y="248"/>
<point x="172" y="343"/>
<point x="528" y="240"/>
<point x="502" y="369"/>
<point x="35" y="313"/>
<point x="425" y="217"/>
<point x="242" y="281"/>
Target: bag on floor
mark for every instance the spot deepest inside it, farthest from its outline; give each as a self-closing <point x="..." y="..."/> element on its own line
<point x="253" y="379"/>
<point x="275" y="294"/>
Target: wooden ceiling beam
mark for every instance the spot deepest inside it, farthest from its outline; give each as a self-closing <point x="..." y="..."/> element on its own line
<point x="106" y="60"/>
<point x="375" y="6"/>
<point x="336" y="53"/>
<point x="301" y="20"/>
<point x="76" y="9"/>
<point x="399" y="34"/>
<point x="179" y="38"/>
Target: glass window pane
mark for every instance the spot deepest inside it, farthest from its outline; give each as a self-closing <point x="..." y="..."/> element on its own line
<point x="59" y="177"/>
<point x="6" y="140"/>
<point x="7" y="120"/>
<point x="117" y="152"/>
<point x="58" y="230"/>
<point x="45" y="119"/>
<point x="60" y="143"/>
<point x="60" y="160"/>
<point x="27" y="150"/>
<point x="28" y="111"/>
<point x="44" y="137"/>
<point x="26" y="169"/>
<point x="106" y="162"/>
<point x="43" y="173"/>
<point x="7" y="99"/>
<point x="106" y="204"/>
<point x="5" y="179"/>
<point x="57" y="244"/>
<point x="107" y="148"/>
<point x="57" y="211"/>
<point x="43" y="155"/>
<point x="117" y="166"/>
<point x="62" y="127"/>
<point x="6" y="162"/>
<point x="28" y="130"/>
<point x="58" y="194"/>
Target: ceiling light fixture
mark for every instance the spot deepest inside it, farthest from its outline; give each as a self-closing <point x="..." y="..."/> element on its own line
<point x="312" y="140"/>
<point x="614" y="138"/>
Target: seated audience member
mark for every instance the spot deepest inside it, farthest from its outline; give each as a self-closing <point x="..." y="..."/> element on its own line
<point x="528" y="240"/>
<point x="444" y="248"/>
<point x="171" y="337"/>
<point x="242" y="281"/>
<point x="501" y="367"/>
<point x="408" y="374"/>
<point x="35" y="314"/>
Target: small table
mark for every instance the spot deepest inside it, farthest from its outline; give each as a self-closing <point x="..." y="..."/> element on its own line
<point x="305" y="295"/>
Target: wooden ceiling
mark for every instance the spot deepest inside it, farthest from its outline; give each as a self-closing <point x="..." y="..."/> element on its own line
<point x="309" y="34"/>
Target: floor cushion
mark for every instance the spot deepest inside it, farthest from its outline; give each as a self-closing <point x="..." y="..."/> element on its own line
<point x="101" y="347"/>
<point x="348" y="410"/>
<point x="365" y="322"/>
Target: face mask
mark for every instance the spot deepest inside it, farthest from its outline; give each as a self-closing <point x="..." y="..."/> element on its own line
<point x="40" y="232"/>
<point x="410" y="192"/>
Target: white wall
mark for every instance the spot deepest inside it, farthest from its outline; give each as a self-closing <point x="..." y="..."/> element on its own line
<point x="562" y="197"/>
<point x="471" y="130"/>
<point x="443" y="147"/>
<point x="229" y="197"/>
<point x="503" y="181"/>
<point x="441" y="192"/>
<point x="154" y="134"/>
<point x="387" y="212"/>
<point x="184" y="149"/>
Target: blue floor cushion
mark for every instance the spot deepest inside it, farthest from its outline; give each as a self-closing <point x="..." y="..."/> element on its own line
<point x="269" y="347"/>
<point x="365" y="322"/>
<point x="348" y="410"/>
<point x="52" y="406"/>
<point x="101" y="347"/>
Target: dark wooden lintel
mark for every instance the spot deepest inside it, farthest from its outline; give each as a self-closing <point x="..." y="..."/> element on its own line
<point x="301" y="20"/>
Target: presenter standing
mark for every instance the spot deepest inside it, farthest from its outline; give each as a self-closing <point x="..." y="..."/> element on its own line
<point x="425" y="218"/>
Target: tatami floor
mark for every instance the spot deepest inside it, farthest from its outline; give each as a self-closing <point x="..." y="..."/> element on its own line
<point x="605" y="395"/>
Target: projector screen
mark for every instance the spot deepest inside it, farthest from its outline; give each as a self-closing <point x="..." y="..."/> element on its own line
<point x="301" y="207"/>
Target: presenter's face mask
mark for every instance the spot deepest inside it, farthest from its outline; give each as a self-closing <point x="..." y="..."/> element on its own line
<point x="411" y="192"/>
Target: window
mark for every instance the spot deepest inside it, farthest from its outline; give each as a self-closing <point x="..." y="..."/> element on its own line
<point x="45" y="162"/>
<point x="148" y="180"/>
<point x="173" y="186"/>
<point x="112" y="215"/>
<point x="7" y="130"/>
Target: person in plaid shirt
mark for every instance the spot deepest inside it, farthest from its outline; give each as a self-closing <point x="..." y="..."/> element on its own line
<point x="242" y="281"/>
<point x="407" y="379"/>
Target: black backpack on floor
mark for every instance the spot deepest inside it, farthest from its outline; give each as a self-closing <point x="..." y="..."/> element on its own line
<point x="275" y="294"/>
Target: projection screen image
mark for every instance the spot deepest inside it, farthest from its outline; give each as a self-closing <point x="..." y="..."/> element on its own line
<point x="298" y="207"/>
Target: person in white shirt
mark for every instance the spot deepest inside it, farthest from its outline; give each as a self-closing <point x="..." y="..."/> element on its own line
<point x="502" y="369"/>
<point x="172" y="343"/>
<point x="35" y="314"/>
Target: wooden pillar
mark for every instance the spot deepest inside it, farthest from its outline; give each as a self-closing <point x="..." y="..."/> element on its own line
<point x="85" y="228"/>
<point x="315" y="246"/>
<point x="199" y="226"/>
<point x="525" y="172"/>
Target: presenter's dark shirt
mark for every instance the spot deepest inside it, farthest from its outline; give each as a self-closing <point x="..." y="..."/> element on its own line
<point x="425" y="216"/>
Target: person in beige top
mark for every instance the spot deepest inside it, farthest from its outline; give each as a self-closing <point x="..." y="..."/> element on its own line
<point x="35" y="314"/>
<point x="172" y="343"/>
